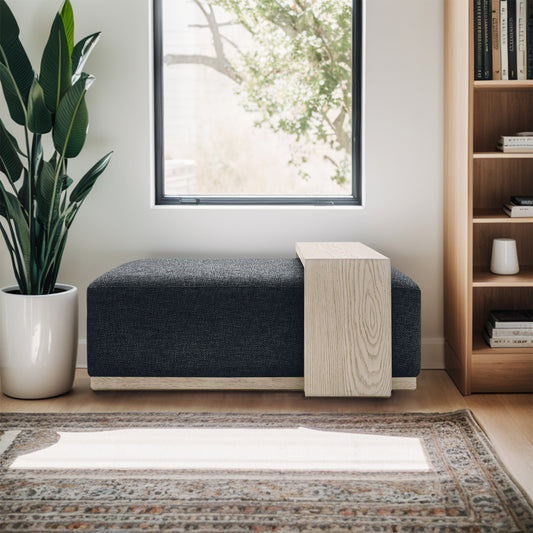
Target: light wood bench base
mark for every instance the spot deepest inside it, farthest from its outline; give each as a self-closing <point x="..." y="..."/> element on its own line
<point x="287" y="384"/>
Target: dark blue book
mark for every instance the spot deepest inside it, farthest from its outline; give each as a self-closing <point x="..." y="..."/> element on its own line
<point x="511" y="39"/>
<point x="529" y="62"/>
<point x="478" y="41"/>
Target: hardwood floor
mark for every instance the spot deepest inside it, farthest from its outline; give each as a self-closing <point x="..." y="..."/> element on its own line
<point x="506" y="418"/>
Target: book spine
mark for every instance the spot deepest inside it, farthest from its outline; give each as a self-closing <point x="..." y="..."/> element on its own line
<point x="509" y="333"/>
<point x="512" y="325"/>
<point x="516" y="140"/>
<point x="511" y="343"/>
<point x="511" y="38"/>
<point x="529" y="40"/>
<point x="521" y="29"/>
<point x="478" y="41"/>
<point x="487" y="38"/>
<point x="522" y="200"/>
<point x="496" y="60"/>
<point x="504" y="51"/>
<point x="519" y="210"/>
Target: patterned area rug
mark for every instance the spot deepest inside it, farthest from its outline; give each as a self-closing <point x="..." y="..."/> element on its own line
<point x="254" y="472"/>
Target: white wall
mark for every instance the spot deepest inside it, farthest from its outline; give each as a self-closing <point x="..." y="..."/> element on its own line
<point x="402" y="216"/>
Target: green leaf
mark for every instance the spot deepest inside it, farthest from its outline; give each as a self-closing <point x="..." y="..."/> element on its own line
<point x="9" y="30"/>
<point x="10" y="163"/>
<point x="81" y="53"/>
<point x="56" y="67"/>
<point x="39" y="118"/>
<point x="22" y="230"/>
<point x="72" y="119"/>
<point x="14" y="101"/>
<point x="67" y="16"/>
<point x="47" y="194"/>
<point x="14" y="57"/>
<point x="3" y="205"/>
<point x="22" y="195"/>
<point x="84" y="186"/>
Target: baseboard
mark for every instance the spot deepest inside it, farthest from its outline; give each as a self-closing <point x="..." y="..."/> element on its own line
<point x="432" y="353"/>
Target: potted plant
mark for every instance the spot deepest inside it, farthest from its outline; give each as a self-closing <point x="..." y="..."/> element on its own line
<point x="38" y="203"/>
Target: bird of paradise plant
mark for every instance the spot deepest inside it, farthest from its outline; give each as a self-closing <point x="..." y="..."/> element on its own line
<point x="37" y="203"/>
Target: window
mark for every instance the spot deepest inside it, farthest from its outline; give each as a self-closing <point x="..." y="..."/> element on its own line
<point x="257" y="102"/>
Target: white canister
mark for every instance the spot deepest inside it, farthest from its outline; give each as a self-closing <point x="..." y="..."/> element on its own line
<point x="504" y="258"/>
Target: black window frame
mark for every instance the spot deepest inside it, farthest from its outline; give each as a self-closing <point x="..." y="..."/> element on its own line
<point x="355" y="199"/>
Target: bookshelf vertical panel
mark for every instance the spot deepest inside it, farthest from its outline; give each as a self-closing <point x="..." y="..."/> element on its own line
<point x="458" y="150"/>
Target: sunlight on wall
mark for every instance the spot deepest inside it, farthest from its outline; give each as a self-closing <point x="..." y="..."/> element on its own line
<point x="229" y="448"/>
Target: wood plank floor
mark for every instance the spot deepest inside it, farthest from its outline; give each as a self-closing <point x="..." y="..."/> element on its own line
<point x="506" y="418"/>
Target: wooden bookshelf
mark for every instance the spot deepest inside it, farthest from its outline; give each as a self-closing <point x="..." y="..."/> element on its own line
<point x="477" y="181"/>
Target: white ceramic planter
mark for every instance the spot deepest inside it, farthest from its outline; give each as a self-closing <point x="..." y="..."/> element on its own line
<point x="38" y="342"/>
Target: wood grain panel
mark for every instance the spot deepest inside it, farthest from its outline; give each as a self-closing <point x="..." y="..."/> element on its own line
<point x="347" y="320"/>
<point x="501" y="113"/>
<point x="485" y="278"/>
<point x="247" y="384"/>
<point x="505" y="371"/>
<point x="458" y="111"/>
<point x="496" y="180"/>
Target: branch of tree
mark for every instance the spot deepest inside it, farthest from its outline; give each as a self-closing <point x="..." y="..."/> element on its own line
<point x="197" y="59"/>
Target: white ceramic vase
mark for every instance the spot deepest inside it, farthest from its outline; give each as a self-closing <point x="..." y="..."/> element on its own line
<point x="38" y="342"/>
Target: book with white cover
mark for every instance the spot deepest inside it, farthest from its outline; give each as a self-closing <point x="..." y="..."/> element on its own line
<point x="507" y="332"/>
<point x="515" y="143"/>
<point x="503" y="38"/>
<point x="518" y="210"/>
<point x="508" y="342"/>
<point x="516" y="140"/>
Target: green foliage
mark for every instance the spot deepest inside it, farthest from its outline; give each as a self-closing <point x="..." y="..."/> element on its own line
<point x="298" y="75"/>
<point x="36" y="212"/>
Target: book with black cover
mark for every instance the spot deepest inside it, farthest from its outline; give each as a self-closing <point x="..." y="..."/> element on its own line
<point x="511" y="318"/>
<point x="486" y="22"/>
<point x="529" y="39"/>
<point x="511" y="40"/>
<point x="495" y="37"/>
<point x="522" y="200"/>
<point x="478" y="41"/>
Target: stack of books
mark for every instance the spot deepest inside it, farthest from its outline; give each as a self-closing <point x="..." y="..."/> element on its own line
<point x="521" y="142"/>
<point x="519" y="206"/>
<point x="509" y="328"/>
<point x="503" y="39"/>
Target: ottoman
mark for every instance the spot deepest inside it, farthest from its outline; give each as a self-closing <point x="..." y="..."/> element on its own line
<point x="218" y="323"/>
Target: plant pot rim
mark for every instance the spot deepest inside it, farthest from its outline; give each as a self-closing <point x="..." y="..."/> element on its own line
<point x="67" y="289"/>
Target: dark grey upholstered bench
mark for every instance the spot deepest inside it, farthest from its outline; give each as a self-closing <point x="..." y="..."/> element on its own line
<point x="216" y="319"/>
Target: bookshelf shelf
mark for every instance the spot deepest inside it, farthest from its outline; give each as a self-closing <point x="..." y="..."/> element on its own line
<point x="484" y="278"/>
<point x="508" y="85"/>
<point x="502" y="155"/>
<point x="497" y="216"/>
<point x="478" y="180"/>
